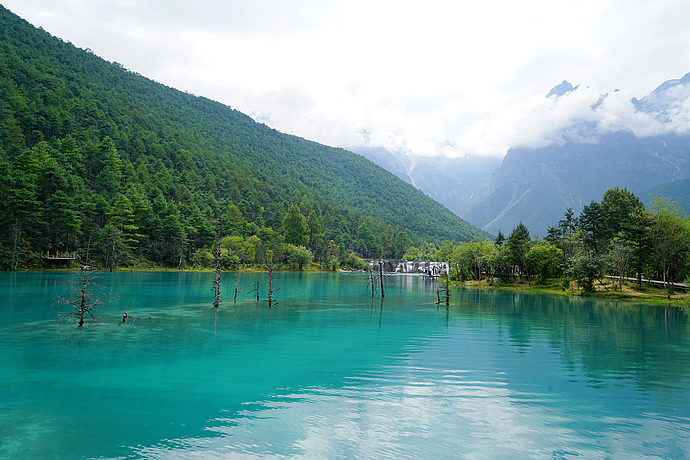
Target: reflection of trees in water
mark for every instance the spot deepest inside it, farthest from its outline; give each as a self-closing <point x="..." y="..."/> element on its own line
<point x="648" y="344"/>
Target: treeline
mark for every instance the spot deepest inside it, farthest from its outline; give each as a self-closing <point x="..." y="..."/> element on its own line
<point x="145" y="220"/>
<point x="102" y="163"/>
<point x="616" y="237"/>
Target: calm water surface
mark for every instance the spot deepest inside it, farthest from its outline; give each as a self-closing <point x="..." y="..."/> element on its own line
<point x="332" y="373"/>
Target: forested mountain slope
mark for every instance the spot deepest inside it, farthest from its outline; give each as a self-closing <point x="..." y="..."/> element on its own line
<point x="93" y="155"/>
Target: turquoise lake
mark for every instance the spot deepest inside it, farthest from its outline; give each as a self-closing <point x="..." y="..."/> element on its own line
<point x="330" y="372"/>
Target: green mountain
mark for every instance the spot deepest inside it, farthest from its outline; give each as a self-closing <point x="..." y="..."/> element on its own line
<point x="99" y="159"/>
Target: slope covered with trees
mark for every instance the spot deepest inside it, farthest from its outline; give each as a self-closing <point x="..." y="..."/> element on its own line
<point x="99" y="160"/>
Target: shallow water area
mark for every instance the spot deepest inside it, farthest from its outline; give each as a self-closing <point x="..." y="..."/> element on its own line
<point x="332" y="372"/>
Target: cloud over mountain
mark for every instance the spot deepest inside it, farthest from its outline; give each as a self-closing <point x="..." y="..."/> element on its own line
<point x="577" y="114"/>
<point x="581" y="115"/>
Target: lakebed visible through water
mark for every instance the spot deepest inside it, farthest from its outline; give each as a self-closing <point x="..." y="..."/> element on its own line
<point x="330" y="372"/>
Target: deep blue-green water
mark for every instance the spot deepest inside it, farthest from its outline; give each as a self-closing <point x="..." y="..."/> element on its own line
<point x="330" y="372"/>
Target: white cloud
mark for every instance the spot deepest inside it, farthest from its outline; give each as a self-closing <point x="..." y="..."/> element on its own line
<point x="426" y="78"/>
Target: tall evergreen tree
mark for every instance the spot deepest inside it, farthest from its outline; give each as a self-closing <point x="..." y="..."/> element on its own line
<point x="294" y="227"/>
<point x="518" y="245"/>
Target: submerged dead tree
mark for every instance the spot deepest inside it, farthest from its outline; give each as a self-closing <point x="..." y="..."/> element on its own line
<point x="86" y="297"/>
<point x="237" y="289"/>
<point x="371" y="280"/>
<point x="383" y="291"/>
<point x="218" y="259"/>
<point x="271" y="288"/>
<point x="376" y="278"/>
<point x="444" y="289"/>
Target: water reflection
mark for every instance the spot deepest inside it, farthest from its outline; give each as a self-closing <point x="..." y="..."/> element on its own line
<point x="607" y="339"/>
<point x="411" y="410"/>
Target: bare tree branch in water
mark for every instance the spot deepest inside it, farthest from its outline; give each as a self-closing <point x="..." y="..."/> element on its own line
<point x="125" y="317"/>
<point x="86" y="297"/>
<point x="256" y="289"/>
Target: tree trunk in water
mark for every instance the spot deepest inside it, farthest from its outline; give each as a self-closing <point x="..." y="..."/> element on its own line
<point x="372" y="282"/>
<point x="270" y="284"/>
<point x="216" y="281"/>
<point x="383" y="294"/>
<point x="269" y="257"/>
<point x="216" y="288"/>
<point x="82" y="305"/>
<point x="234" y="300"/>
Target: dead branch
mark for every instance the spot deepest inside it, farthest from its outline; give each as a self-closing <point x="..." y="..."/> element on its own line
<point x="86" y="297"/>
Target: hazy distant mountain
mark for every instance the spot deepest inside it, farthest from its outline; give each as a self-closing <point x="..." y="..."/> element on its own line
<point x="456" y="183"/>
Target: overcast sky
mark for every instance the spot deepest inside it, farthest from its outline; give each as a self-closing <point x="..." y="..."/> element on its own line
<point x="424" y="78"/>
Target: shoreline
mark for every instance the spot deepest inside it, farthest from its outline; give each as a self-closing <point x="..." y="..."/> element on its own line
<point x="653" y="295"/>
<point x="603" y="292"/>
